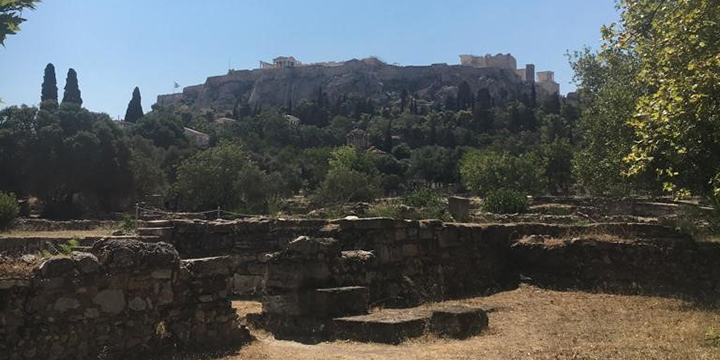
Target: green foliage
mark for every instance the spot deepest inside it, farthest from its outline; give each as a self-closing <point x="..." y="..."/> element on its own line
<point x="67" y="248"/>
<point x="676" y="119"/>
<point x="49" y="85"/>
<point x="435" y="164"/>
<point x="64" y="154"/>
<point x="402" y="151"/>
<point x="10" y="16"/>
<point x="134" y="109"/>
<point x="223" y="176"/>
<point x="423" y="198"/>
<point x="712" y="337"/>
<point x="72" y="89"/>
<point x="700" y="223"/>
<point x="128" y="224"/>
<point x="9" y="210"/>
<point x="429" y="203"/>
<point x="609" y="90"/>
<point x="352" y="176"/>
<point x="164" y="128"/>
<point x="505" y="201"/>
<point x="484" y="172"/>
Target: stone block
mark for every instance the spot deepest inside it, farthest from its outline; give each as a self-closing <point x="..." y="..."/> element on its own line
<point x="458" y="322"/>
<point x="386" y="326"/>
<point x="110" y="301"/>
<point x="283" y="304"/>
<point x="162" y="274"/>
<point x="57" y="266"/>
<point x="86" y="263"/>
<point x="296" y="275"/>
<point x="65" y="303"/>
<point x="334" y="302"/>
<point x="210" y="266"/>
<point x="247" y="284"/>
<point x="410" y="250"/>
<point x="459" y="208"/>
<point x="312" y="247"/>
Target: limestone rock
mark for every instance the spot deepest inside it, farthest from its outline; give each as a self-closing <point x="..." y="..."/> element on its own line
<point x="111" y="301"/>
<point x="126" y="254"/>
<point x="85" y="262"/>
<point x="64" y="304"/>
<point x="57" y="266"/>
<point x="458" y="322"/>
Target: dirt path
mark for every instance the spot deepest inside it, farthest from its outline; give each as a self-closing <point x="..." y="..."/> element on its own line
<point x="531" y="323"/>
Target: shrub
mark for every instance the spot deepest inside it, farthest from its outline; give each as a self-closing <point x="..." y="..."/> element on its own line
<point x="223" y="176"/>
<point x="352" y="176"/>
<point x="9" y="210"/>
<point x="483" y="172"/>
<point x="422" y="198"/>
<point x="505" y="201"/>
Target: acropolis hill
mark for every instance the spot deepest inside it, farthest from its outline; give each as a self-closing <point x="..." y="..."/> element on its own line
<point x="287" y="80"/>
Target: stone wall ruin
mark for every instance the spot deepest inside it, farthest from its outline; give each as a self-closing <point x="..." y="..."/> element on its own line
<point x="126" y="297"/>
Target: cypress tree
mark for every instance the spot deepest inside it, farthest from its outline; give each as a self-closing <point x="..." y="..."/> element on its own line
<point x="388" y="137"/>
<point x="49" y="85"/>
<point x="72" y="90"/>
<point x="134" y="109"/>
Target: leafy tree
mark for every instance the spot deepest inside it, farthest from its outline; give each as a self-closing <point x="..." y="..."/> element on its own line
<point x="11" y="16"/>
<point x="465" y="98"/>
<point x="18" y="127"/>
<point x="73" y="154"/>
<point x="402" y="151"/>
<point x="676" y="119"/>
<point x="72" y="90"/>
<point x="163" y="127"/>
<point x="149" y="177"/>
<point x="484" y="172"/>
<point x="352" y="176"/>
<point x="223" y="176"/>
<point x="609" y="90"/>
<point x="49" y="85"/>
<point x="311" y="113"/>
<point x="435" y="164"/>
<point x="8" y="210"/>
<point x="134" y="109"/>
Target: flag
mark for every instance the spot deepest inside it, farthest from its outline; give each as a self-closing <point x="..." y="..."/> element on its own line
<point x="176" y="85"/>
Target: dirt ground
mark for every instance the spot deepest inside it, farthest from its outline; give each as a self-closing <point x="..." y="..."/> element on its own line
<point x="56" y="233"/>
<point x="532" y="323"/>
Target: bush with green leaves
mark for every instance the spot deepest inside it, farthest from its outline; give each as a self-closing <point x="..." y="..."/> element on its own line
<point x="223" y="176"/>
<point x="9" y="210"/>
<point x="505" y="201"/>
<point x="352" y="177"/>
<point x="484" y="172"/>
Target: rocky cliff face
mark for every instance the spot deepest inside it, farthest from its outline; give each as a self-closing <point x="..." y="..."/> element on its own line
<point x="367" y="78"/>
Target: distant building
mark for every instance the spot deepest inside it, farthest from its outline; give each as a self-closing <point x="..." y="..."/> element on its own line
<point x="358" y="138"/>
<point x="281" y="62"/>
<point x="292" y="120"/>
<point x="201" y="138"/>
<point x="544" y="79"/>
<point x="502" y="61"/>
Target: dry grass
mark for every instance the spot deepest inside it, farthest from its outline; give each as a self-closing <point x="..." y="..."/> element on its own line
<point x="57" y="234"/>
<point x="531" y="323"/>
<point x="15" y="267"/>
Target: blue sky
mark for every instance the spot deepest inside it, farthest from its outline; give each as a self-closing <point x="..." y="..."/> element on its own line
<point x="115" y="45"/>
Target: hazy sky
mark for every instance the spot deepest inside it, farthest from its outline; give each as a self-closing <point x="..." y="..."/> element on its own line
<point x="115" y="45"/>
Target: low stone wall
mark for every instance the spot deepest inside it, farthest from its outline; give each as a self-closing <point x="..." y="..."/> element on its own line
<point x="29" y="224"/>
<point x="15" y="246"/>
<point x="124" y="299"/>
<point x="657" y="266"/>
<point x="402" y="262"/>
